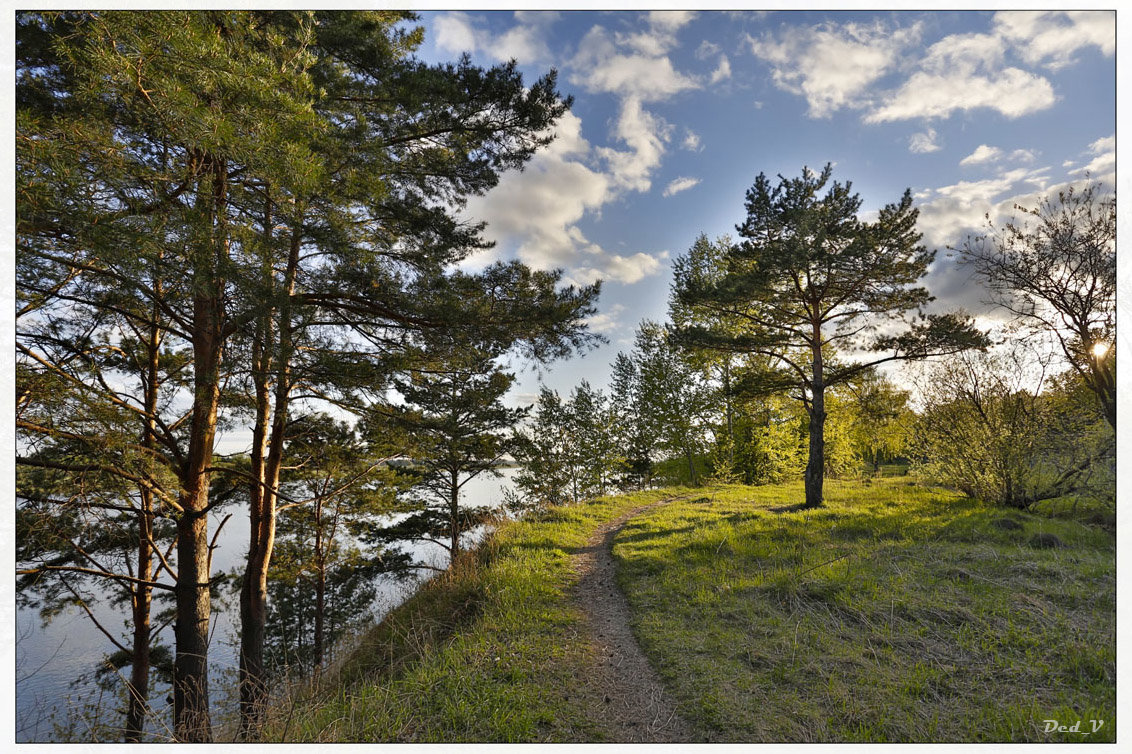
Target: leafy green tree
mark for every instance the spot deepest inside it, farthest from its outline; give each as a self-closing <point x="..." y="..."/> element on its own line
<point x="993" y="431"/>
<point x="595" y="456"/>
<point x="136" y="131"/>
<point x="545" y="451"/>
<point x="1055" y="271"/>
<point x="335" y="486"/>
<point x="267" y="181"/>
<point x="635" y="444"/>
<point x="705" y="263"/>
<point x="459" y="429"/>
<point x="674" y="396"/>
<point x="882" y="418"/>
<point x="811" y="280"/>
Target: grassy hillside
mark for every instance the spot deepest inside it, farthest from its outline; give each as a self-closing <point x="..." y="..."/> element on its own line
<point x="492" y="651"/>
<point x="896" y="614"/>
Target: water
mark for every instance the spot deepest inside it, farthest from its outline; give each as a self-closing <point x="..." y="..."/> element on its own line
<point x="54" y="662"/>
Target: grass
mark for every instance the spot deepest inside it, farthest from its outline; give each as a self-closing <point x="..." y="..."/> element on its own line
<point x="492" y="651"/>
<point x="896" y="613"/>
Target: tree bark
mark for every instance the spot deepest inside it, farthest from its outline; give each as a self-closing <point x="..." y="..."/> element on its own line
<point x="319" y="587"/>
<point x="263" y="501"/>
<point x="815" y="466"/>
<point x="454" y="513"/>
<point x="137" y="689"/>
<point x="191" y="717"/>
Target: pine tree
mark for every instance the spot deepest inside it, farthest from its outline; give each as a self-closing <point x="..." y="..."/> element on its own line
<point x="810" y="280"/>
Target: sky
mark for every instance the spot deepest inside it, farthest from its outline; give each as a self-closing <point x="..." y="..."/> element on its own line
<point x="675" y="113"/>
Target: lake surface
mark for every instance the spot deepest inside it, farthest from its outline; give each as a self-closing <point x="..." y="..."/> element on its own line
<point x="55" y="696"/>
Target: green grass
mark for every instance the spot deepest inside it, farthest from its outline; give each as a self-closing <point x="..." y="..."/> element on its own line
<point x="896" y="613"/>
<point x="492" y="651"/>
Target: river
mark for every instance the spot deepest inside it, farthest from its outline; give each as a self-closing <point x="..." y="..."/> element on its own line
<point x="56" y="699"/>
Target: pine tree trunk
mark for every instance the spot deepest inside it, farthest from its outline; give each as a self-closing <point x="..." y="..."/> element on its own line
<point x="454" y="513"/>
<point x="815" y="467"/>
<point x="253" y="593"/>
<point x="191" y="717"/>
<point x="319" y="590"/>
<point x="137" y="689"/>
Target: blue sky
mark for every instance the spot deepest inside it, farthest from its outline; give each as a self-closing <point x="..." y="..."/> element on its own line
<point x="675" y="113"/>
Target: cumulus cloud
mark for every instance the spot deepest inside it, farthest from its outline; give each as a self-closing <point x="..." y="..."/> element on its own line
<point x="635" y="67"/>
<point x="938" y="92"/>
<point x="832" y="66"/>
<point x="680" y="184"/>
<point x="949" y="213"/>
<point x="722" y="71"/>
<point x="836" y="66"/>
<point x="982" y="153"/>
<point x="606" y="321"/>
<point x="602" y="64"/>
<point x="455" y="33"/>
<point x="1103" y="160"/>
<point x="1100" y="146"/>
<point x="924" y="142"/>
<point x="691" y="140"/>
<point x="536" y="212"/>
<point x="645" y="134"/>
<point x="623" y="269"/>
<point x="707" y="50"/>
<point x="1052" y="38"/>
<point x="458" y="32"/>
<point x="968" y="71"/>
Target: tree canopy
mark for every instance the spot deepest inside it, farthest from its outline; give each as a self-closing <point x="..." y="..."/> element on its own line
<point x="811" y="283"/>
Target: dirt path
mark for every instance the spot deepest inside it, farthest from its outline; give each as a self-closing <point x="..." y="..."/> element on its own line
<point x="639" y="709"/>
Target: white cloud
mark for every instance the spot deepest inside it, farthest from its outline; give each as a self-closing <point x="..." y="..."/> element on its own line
<point x="691" y="140"/>
<point x="1104" y="159"/>
<point x="707" y="50"/>
<point x="832" y="66"/>
<point x="606" y="321"/>
<point x="967" y="71"/>
<point x="839" y="66"/>
<point x="645" y="134"/>
<point x="649" y="76"/>
<point x="455" y="33"/>
<point x="521" y="43"/>
<point x="1012" y="92"/>
<point x="924" y="142"/>
<point x="982" y="153"/>
<point x="621" y="269"/>
<point x="680" y="184"/>
<point x="949" y="213"/>
<point x="670" y="21"/>
<point x="458" y="32"/>
<point x="1051" y="38"/>
<point x="536" y="212"/>
<point x="953" y="214"/>
<point x="985" y="154"/>
<point x="1100" y="146"/>
<point x="723" y="71"/>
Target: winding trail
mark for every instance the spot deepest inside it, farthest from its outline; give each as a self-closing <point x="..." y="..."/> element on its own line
<point x="638" y="708"/>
